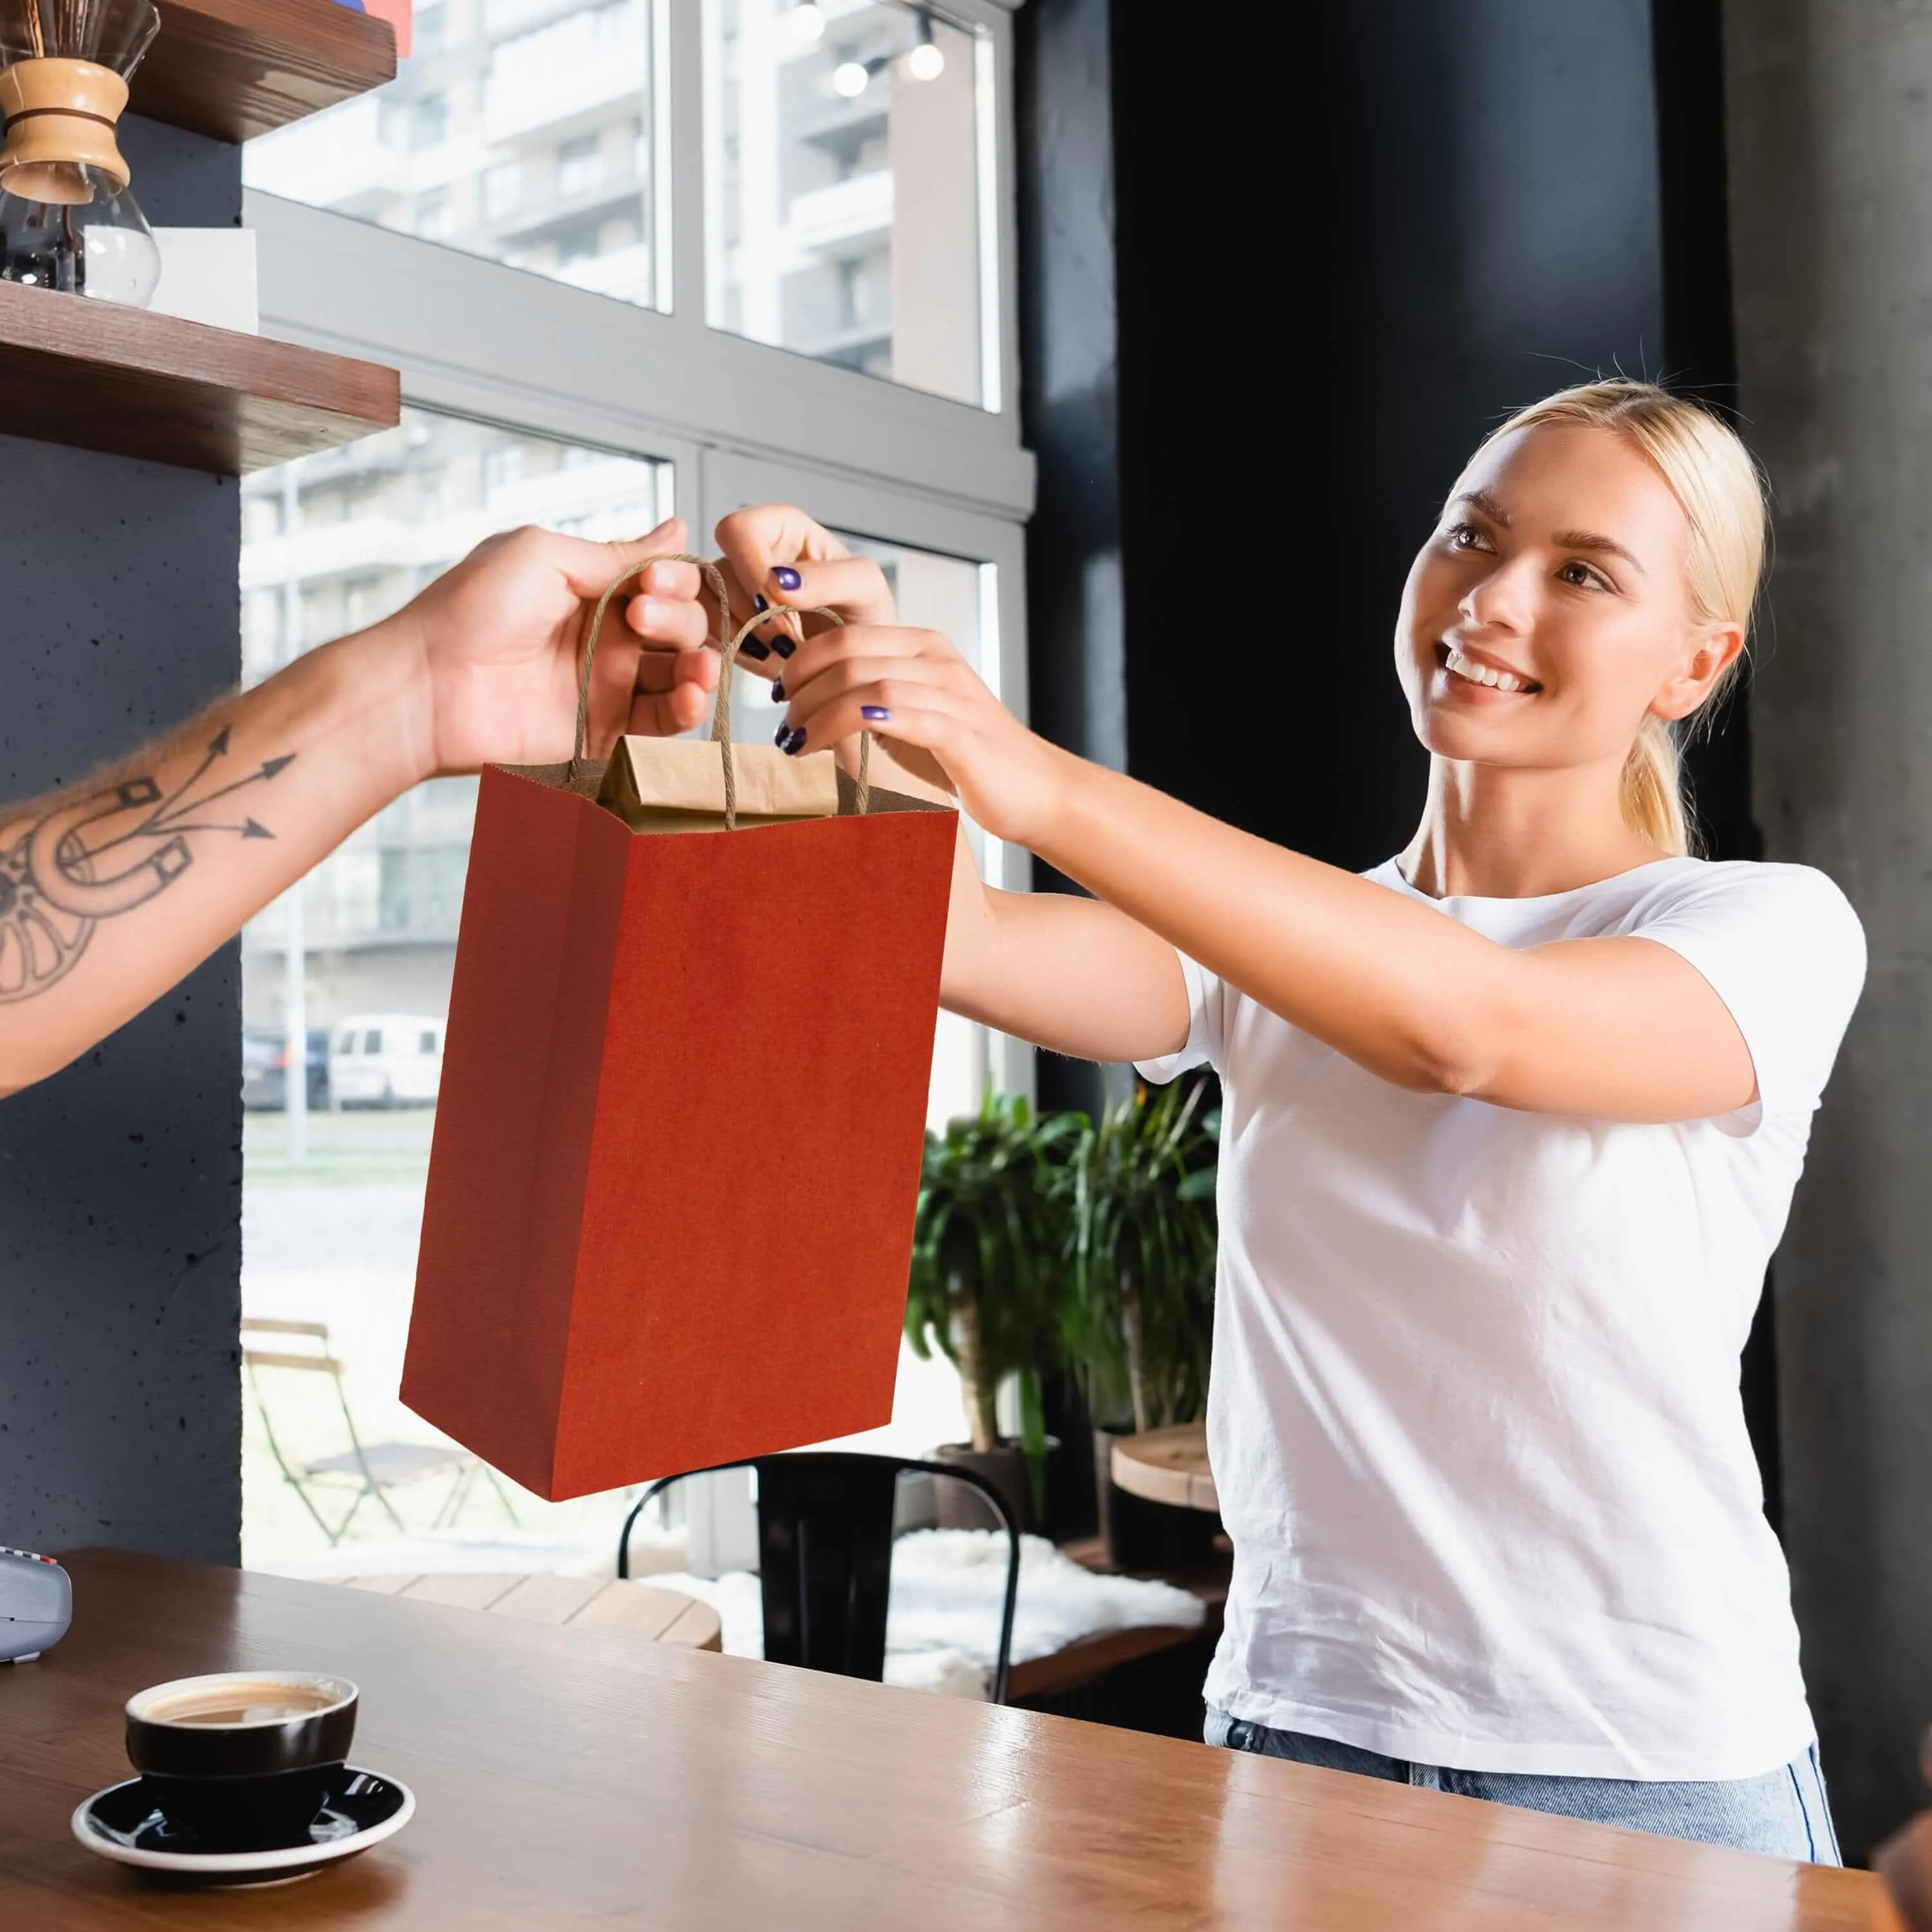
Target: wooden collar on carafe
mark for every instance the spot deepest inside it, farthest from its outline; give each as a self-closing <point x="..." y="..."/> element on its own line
<point x="60" y="113"/>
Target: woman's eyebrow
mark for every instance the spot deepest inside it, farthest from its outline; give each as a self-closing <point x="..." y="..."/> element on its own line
<point x="1589" y="540"/>
<point x="1482" y="501"/>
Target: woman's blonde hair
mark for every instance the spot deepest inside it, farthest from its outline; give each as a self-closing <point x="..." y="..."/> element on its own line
<point x="1718" y="487"/>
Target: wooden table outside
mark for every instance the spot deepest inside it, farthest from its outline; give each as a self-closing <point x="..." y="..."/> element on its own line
<point x="565" y="1778"/>
<point x="639" y="1611"/>
<point x="1167" y="1466"/>
<point x="648" y="1614"/>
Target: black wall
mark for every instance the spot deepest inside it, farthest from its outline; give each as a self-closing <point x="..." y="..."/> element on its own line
<point x="1069" y="406"/>
<point x="1340" y="252"/>
<point x="120" y="1179"/>
<point x="1327" y="295"/>
<point x="1347" y="238"/>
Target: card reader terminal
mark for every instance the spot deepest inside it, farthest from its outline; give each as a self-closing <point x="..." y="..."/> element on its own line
<point x="36" y="1604"/>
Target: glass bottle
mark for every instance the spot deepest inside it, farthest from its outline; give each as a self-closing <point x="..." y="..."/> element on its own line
<point x="68" y="220"/>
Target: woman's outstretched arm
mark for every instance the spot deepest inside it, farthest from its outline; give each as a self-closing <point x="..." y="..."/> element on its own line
<point x="1073" y="975"/>
<point x="111" y="891"/>
<point x="1613" y="1028"/>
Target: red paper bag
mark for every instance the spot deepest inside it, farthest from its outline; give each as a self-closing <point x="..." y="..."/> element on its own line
<point x="677" y="1148"/>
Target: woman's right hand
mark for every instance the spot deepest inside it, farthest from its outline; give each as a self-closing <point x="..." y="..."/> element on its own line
<point x="775" y="556"/>
<point x="916" y="694"/>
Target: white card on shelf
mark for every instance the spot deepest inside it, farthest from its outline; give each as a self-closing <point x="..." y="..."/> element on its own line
<point x="208" y="274"/>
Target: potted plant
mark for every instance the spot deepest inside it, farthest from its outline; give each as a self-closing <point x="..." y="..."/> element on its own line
<point x="1139" y="1316"/>
<point x="988" y="1255"/>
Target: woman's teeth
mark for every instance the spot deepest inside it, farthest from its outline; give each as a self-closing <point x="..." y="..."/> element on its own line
<point x="1477" y="673"/>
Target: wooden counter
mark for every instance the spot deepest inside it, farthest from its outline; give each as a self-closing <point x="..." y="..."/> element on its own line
<point x="567" y="1778"/>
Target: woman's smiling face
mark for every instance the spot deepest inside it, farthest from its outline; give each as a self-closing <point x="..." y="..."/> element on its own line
<point x="1549" y="612"/>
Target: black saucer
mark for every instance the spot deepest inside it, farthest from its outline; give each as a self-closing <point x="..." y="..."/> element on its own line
<point x="129" y="1823"/>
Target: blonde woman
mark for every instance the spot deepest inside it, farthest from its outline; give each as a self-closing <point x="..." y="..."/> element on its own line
<point x="1512" y="1124"/>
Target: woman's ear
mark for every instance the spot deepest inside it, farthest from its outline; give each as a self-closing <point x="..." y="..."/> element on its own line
<point x="1712" y="648"/>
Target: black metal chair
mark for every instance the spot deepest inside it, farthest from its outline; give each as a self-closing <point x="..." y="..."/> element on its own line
<point x="825" y="1545"/>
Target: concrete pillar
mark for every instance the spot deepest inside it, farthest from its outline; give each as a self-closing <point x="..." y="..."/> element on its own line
<point x="121" y="1177"/>
<point x="1830" y="113"/>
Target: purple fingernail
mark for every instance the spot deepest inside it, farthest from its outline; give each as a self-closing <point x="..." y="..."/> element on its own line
<point x="793" y="744"/>
<point x="777" y="691"/>
<point x="758" y="603"/>
<point x="876" y="714"/>
<point x="782" y="734"/>
<point x="751" y="648"/>
<point x="788" y="580"/>
<point x="784" y="645"/>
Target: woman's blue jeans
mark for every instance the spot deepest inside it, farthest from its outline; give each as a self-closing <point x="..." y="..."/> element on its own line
<point x="1785" y="1812"/>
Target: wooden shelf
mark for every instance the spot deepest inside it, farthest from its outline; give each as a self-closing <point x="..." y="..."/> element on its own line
<point x="99" y="375"/>
<point x="235" y="68"/>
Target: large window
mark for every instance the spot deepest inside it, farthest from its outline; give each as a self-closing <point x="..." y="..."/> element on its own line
<point x="471" y="225"/>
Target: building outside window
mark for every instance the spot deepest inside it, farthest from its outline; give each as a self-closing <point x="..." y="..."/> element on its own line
<point x="602" y="310"/>
<point x="579" y="165"/>
<point x="844" y="186"/>
<point x="434" y="216"/>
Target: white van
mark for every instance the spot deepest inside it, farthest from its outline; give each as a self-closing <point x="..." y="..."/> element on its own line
<point x="385" y="1060"/>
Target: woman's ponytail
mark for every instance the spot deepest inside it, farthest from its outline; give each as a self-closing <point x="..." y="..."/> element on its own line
<point x="1651" y="790"/>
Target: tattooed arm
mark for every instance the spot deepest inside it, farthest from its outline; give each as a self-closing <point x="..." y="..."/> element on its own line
<point x="110" y="892"/>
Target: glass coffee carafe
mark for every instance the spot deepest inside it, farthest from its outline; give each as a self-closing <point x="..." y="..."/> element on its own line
<point x="67" y="219"/>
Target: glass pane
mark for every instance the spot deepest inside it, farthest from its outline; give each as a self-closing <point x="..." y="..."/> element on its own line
<point x="843" y="208"/>
<point x="522" y="129"/>
<point x="348" y="977"/>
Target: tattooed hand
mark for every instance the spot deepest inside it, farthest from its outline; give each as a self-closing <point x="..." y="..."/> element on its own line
<point x="499" y="639"/>
<point x="113" y="888"/>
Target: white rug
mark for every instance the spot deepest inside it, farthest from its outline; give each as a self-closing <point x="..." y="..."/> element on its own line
<point x="943" y="1622"/>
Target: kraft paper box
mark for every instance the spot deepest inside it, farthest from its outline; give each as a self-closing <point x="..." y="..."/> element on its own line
<point x="677" y="784"/>
<point x="677" y="1148"/>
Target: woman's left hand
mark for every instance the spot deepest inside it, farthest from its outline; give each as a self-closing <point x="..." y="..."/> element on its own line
<point x="914" y="692"/>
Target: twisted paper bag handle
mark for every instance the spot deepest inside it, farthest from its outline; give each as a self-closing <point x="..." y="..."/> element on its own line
<point x="728" y="648"/>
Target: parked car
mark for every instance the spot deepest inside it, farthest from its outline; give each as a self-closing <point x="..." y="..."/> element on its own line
<point x="385" y="1060"/>
<point x="265" y="1068"/>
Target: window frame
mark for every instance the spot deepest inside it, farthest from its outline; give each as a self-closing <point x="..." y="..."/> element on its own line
<point x="641" y="381"/>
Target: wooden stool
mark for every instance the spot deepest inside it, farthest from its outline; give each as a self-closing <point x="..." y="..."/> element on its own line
<point x="1167" y="1466"/>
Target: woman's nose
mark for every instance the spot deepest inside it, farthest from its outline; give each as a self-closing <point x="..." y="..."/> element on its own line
<point x="1500" y="597"/>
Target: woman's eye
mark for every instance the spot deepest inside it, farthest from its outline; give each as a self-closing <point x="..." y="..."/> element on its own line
<point x="1581" y="576"/>
<point x="1463" y="536"/>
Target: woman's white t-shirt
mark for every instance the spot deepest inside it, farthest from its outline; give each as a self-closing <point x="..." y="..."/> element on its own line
<point x="1475" y="1417"/>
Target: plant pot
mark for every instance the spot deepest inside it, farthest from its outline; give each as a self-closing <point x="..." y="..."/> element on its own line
<point x="1005" y="1468"/>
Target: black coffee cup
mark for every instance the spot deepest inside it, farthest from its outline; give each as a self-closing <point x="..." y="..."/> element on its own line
<point x="244" y="1758"/>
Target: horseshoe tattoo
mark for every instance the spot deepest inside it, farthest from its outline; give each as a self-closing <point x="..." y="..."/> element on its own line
<point x="61" y="867"/>
<point x="64" y="872"/>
